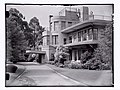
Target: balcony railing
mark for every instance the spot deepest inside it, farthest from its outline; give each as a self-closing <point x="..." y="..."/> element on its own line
<point x="100" y="17"/>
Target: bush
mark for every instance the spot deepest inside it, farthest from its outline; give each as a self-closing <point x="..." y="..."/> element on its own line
<point x="85" y="57"/>
<point x="104" y="66"/>
<point x="11" y="68"/>
<point x="61" y="55"/>
<point x="66" y="63"/>
<point x="51" y="62"/>
<point x="94" y="64"/>
<point x="75" y="65"/>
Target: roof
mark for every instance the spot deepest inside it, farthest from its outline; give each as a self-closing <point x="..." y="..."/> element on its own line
<point x="84" y="24"/>
<point x="35" y="52"/>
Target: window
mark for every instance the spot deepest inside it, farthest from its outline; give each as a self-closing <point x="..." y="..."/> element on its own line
<point x="63" y="25"/>
<point x="79" y="36"/>
<point x="48" y="40"/>
<point x="70" y="56"/>
<point x="44" y="40"/>
<point x="95" y="34"/>
<point x="69" y="24"/>
<point x="74" y="36"/>
<point x="75" y="55"/>
<point x="55" y="39"/>
<point x="84" y="35"/>
<point x="43" y="56"/>
<point x="79" y="54"/>
<point x="70" y="39"/>
<point x="90" y="34"/>
<point x="65" y="41"/>
<point x="56" y="25"/>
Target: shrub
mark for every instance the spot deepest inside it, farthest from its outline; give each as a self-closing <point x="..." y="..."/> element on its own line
<point x="75" y="65"/>
<point x="61" y="54"/>
<point x="85" y="57"/>
<point x="66" y="63"/>
<point x="104" y="66"/>
<point x="11" y="68"/>
<point x="95" y="64"/>
<point x="50" y="62"/>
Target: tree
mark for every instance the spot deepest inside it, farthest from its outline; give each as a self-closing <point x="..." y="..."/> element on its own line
<point x="106" y="44"/>
<point x="103" y="54"/>
<point x="37" y="31"/>
<point x="28" y="32"/>
<point x="61" y="54"/>
<point x="16" y="43"/>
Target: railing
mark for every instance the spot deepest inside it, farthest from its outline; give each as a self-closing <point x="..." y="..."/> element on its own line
<point x="100" y="17"/>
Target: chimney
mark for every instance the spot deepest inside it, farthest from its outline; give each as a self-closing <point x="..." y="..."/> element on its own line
<point x="84" y="13"/>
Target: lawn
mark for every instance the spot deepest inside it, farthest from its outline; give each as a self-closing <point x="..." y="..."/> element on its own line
<point x="89" y="77"/>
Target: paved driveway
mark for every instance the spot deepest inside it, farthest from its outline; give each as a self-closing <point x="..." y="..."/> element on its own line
<point x="43" y="75"/>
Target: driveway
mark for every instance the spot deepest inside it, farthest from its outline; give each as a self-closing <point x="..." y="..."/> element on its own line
<point x="42" y="75"/>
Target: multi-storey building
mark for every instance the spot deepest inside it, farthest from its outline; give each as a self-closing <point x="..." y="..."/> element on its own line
<point x="76" y="29"/>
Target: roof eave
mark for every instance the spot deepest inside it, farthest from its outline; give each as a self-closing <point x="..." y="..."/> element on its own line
<point x="84" y="24"/>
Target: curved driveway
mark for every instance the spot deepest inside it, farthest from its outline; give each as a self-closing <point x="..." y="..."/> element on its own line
<point x="42" y="75"/>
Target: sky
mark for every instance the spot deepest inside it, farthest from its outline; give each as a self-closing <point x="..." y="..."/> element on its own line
<point x="42" y="12"/>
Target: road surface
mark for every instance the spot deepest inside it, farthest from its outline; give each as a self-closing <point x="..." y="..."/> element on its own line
<point x="42" y="75"/>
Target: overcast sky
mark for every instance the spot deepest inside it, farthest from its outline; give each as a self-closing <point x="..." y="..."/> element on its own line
<point x="42" y="12"/>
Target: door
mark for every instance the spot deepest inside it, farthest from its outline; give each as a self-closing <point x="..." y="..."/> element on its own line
<point x="79" y="54"/>
<point x="40" y="58"/>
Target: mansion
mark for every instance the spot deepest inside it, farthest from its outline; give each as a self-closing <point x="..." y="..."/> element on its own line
<point x="78" y="29"/>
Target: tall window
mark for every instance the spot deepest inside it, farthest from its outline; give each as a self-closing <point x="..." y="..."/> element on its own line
<point x="95" y="34"/>
<point x="84" y="35"/>
<point x="54" y="39"/>
<point x="79" y="54"/>
<point x="65" y="41"/>
<point x="70" y="56"/>
<point x="75" y="55"/>
<point x="90" y="34"/>
<point x="70" y="39"/>
<point x="79" y="36"/>
<point x="48" y="40"/>
<point x="69" y="24"/>
<point x="56" y="25"/>
<point x="63" y="25"/>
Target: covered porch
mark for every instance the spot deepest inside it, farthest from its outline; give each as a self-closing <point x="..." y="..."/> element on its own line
<point x="77" y="50"/>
